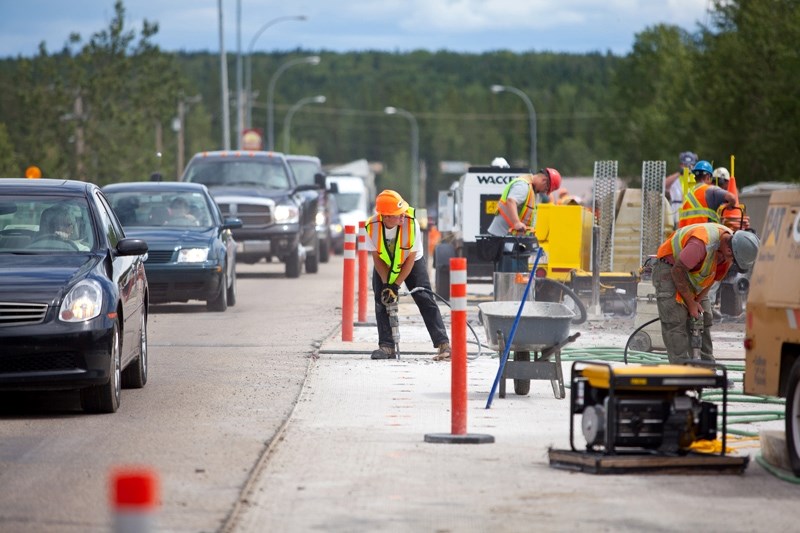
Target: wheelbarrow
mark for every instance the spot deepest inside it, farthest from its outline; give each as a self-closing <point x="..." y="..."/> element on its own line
<point x="542" y="331"/>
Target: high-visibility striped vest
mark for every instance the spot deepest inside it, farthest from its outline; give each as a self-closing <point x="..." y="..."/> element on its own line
<point x="406" y="236"/>
<point x="695" y="209"/>
<point x="527" y="212"/>
<point x="710" y="233"/>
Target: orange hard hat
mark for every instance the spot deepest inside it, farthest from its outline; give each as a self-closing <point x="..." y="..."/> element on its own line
<point x="554" y="176"/>
<point x="33" y="172"/>
<point x="390" y="203"/>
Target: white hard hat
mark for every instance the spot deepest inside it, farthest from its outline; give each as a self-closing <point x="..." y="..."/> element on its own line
<point x="745" y="249"/>
<point x="500" y="162"/>
<point x="721" y="173"/>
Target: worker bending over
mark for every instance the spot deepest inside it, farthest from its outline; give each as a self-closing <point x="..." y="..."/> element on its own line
<point x="689" y="262"/>
<point x="396" y="253"/>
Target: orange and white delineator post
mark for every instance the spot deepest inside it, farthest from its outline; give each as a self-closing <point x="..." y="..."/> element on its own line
<point x="458" y="345"/>
<point x="458" y="361"/>
<point x="135" y="499"/>
<point x="348" y="282"/>
<point x="363" y="259"/>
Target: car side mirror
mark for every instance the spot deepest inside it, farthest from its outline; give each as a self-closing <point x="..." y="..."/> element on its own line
<point x="232" y="223"/>
<point x="333" y="188"/>
<point x="319" y="180"/>
<point x="131" y="247"/>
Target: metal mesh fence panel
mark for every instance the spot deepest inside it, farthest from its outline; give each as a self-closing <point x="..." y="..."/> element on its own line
<point x="652" y="228"/>
<point x="604" y="207"/>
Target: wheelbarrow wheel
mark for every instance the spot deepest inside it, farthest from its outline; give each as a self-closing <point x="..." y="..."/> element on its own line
<point x="522" y="386"/>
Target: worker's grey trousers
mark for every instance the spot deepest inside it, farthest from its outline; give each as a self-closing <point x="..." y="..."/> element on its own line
<point x="418" y="277"/>
<point x="676" y="323"/>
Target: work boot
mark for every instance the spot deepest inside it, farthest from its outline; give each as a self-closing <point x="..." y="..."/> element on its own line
<point x="383" y="352"/>
<point x="444" y="352"/>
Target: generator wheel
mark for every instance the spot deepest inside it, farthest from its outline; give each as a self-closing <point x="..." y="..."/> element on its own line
<point x="522" y="387"/>
<point x="793" y="417"/>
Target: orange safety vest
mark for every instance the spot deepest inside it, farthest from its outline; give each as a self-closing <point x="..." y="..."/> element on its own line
<point x="406" y="236"/>
<point x="710" y="233"/>
<point x="527" y="214"/>
<point x="695" y="209"/>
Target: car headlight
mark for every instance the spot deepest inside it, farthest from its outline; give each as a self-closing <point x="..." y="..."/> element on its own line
<point x="320" y="221"/>
<point x="287" y="214"/>
<point x="83" y="302"/>
<point x="192" y="255"/>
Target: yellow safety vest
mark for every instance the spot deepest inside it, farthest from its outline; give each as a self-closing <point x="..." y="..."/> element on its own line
<point x="527" y="212"/>
<point x="406" y="236"/>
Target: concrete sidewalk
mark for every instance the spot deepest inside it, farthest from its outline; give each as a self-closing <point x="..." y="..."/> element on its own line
<point x="353" y="456"/>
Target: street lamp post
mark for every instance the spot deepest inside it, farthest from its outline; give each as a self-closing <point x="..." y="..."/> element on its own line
<point x="287" y="123"/>
<point x="414" y="149"/>
<point x="311" y="60"/>
<point x="531" y="117"/>
<point x="249" y="69"/>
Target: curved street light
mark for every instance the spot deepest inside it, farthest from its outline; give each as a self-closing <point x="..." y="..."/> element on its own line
<point x="311" y="60"/>
<point x="287" y="123"/>
<point x="390" y="110"/>
<point x="531" y="117"/>
<point x="249" y="69"/>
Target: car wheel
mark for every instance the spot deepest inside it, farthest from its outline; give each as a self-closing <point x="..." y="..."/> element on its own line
<point x="312" y="260"/>
<point x="220" y="301"/>
<point x="793" y="417"/>
<point x="325" y="250"/>
<point x="293" y="265"/>
<point x="232" y="289"/>
<point x="135" y="374"/>
<point x="105" y="398"/>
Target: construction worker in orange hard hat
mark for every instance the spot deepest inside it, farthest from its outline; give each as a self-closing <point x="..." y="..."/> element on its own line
<point x="33" y="172"/>
<point x="396" y="246"/>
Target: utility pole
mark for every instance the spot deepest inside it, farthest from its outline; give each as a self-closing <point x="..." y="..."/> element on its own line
<point x="226" y="112"/>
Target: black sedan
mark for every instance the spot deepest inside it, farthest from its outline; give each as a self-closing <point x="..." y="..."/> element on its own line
<point x="73" y="293"/>
<point x="192" y="254"/>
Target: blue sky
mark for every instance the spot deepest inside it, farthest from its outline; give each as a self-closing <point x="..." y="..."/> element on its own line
<point x="476" y="26"/>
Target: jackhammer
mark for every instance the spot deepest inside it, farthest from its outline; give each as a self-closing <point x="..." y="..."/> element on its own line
<point x="389" y="299"/>
<point x="696" y="341"/>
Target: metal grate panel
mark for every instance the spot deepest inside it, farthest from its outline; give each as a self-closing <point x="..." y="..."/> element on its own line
<point x="652" y="227"/>
<point x="18" y="314"/>
<point x="604" y="207"/>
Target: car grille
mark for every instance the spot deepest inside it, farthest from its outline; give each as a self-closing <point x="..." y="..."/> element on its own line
<point x="39" y="362"/>
<point x="20" y="314"/>
<point x="159" y="256"/>
<point x="250" y="214"/>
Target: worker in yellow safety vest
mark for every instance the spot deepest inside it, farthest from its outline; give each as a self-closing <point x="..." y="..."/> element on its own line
<point x="396" y="255"/>
<point x="689" y="262"/>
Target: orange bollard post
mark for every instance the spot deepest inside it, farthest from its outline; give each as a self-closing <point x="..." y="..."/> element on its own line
<point x="458" y="345"/>
<point x="363" y="259"/>
<point x="348" y="283"/>
<point x="458" y="360"/>
<point x="134" y="497"/>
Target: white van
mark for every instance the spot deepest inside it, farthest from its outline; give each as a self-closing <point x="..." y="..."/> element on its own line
<point x="352" y="198"/>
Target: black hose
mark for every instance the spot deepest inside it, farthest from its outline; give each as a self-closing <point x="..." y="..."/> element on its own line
<point x="447" y="303"/>
<point x="637" y="330"/>
<point x="569" y="292"/>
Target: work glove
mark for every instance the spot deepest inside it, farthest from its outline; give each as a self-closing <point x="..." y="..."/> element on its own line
<point x="390" y="293"/>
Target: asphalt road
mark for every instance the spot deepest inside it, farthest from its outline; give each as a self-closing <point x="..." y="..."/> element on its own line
<point x="220" y="387"/>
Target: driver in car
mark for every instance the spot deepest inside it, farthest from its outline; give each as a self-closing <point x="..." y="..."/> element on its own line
<point x="179" y="213"/>
<point x="60" y="225"/>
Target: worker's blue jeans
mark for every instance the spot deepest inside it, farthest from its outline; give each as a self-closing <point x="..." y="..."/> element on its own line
<point x="426" y="303"/>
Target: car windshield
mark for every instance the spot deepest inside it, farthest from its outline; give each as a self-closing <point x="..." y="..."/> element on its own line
<point x="183" y="209"/>
<point x="304" y="171"/>
<point x="347" y="201"/>
<point x="253" y="173"/>
<point x="39" y="223"/>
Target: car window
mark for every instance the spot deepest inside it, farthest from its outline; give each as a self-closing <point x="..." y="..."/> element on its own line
<point x="347" y="201"/>
<point x="253" y="173"/>
<point x="304" y="171"/>
<point x="183" y="209"/>
<point x="33" y="223"/>
<point x="111" y="228"/>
